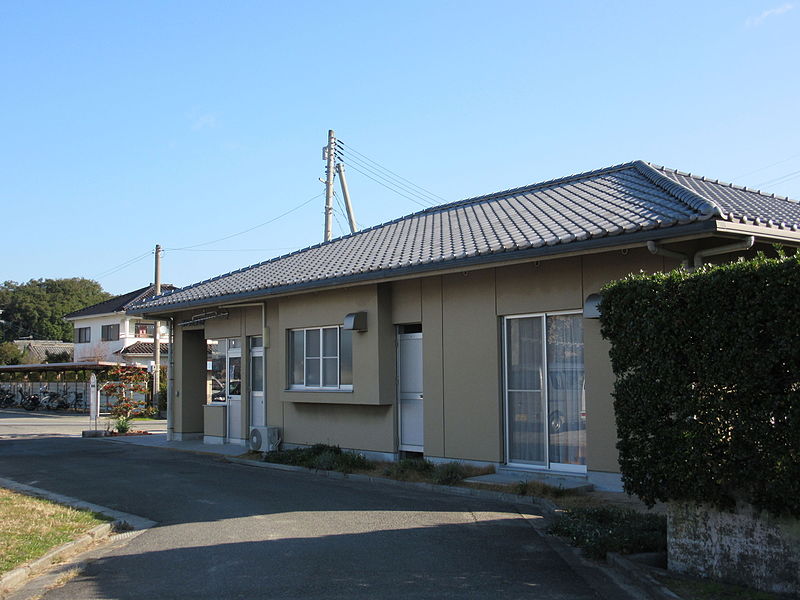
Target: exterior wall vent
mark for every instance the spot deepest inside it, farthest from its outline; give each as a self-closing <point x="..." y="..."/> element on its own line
<point x="591" y="308"/>
<point x="355" y="321"/>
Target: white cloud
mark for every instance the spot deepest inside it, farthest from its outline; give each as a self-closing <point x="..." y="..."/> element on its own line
<point x="772" y="12"/>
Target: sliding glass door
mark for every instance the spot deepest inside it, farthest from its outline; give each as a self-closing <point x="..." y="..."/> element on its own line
<point x="544" y="391"/>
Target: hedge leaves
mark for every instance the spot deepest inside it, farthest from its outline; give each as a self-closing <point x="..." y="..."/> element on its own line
<point x="707" y="397"/>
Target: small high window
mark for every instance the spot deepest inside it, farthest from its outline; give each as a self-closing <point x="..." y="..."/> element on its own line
<point x="83" y="335"/>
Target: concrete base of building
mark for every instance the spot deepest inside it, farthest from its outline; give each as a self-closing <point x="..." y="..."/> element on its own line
<point x="605" y="482"/>
<point x="213" y="440"/>
<point x="186" y="437"/>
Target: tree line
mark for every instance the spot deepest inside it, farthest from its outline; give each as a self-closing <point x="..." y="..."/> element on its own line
<point x="36" y="310"/>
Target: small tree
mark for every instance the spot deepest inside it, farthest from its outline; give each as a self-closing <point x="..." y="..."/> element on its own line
<point x="125" y="382"/>
<point x="10" y="354"/>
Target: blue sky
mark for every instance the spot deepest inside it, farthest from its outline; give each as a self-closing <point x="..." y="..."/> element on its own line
<point x="127" y="124"/>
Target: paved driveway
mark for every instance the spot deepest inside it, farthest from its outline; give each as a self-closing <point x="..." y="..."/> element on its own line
<point x="231" y="531"/>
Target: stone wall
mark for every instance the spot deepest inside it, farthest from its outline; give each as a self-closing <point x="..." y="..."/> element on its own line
<point x="743" y="547"/>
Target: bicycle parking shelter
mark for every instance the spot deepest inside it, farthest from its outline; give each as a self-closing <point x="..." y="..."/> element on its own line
<point x="79" y="384"/>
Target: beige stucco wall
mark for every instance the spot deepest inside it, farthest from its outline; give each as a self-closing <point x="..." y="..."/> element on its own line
<point x="472" y="415"/>
<point x="357" y="427"/>
<point x="190" y="383"/>
<point x="214" y="420"/>
<point x="362" y="418"/>
<point x="601" y="430"/>
<point x="432" y="366"/>
<point x="461" y="316"/>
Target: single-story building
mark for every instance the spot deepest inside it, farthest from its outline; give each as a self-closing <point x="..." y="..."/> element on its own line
<point x="461" y="332"/>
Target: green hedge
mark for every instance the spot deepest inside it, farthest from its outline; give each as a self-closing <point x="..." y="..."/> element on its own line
<point x="707" y="392"/>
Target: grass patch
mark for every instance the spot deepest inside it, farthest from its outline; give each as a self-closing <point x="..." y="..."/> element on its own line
<point x="321" y="456"/>
<point x="409" y="469"/>
<point x="601" y="529"/>
<point x="30" y="527"/>
<point x="692" y="589"/>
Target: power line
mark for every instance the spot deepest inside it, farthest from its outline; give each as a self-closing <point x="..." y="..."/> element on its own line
<point x="227" y="237"/>
<point x="781" y="179"/>
<point x="349" y="159"/>
<point x="353" y="150"/>
<point x="780" y="162"/>
<point x="414" y="200"/>
<point x="123" y="265"/>
<point x="238" y="249"/>
<point x="396" y="185"/>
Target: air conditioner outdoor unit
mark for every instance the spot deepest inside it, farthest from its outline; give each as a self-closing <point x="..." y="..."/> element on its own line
<point x="264" y="439"/>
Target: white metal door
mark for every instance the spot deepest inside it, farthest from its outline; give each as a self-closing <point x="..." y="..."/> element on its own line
<point x="409" y="391"/>
<point x="258" y="413"/>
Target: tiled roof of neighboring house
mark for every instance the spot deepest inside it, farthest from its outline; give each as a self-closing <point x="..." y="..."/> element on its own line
<point x="119" y="303"/>
<point x="36" y="350"/>
<point x="617" y="200"/>
<point x="142" y="348"/>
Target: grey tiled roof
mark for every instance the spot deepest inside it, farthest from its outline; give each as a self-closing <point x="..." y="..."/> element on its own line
<point x="36" y="350"/>
<point x="143" y="348"/>
<point x="119" y="303"/>
<point x="615" y="201"/>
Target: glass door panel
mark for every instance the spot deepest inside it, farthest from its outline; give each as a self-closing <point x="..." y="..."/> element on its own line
<point x="565" y="392"/>
<point x="526" y="422"/>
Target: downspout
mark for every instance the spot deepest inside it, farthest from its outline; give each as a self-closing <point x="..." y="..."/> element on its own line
<point x="661" y="251"/>
<point x="170" y="380"/>
<point x="744" y="244"/>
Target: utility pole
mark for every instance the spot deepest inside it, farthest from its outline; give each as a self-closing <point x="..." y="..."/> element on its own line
<point x="156" y="336"/>
<point x="333" y="167"/>
<point x="329" y="154"/>
<point x="346" y="193"/>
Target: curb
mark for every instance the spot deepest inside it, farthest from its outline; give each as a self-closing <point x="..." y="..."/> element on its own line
<point x="19" y="576"/>
<point x="542" y="503"/>
<point x="643" y="576"/>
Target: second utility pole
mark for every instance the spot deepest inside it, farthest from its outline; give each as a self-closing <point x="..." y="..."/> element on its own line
<point x="330" y="172"/>
<point x="156" y="336"/>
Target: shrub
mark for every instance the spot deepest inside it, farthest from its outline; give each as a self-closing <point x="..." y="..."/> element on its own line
<point x="707" y="395"/>
<point x="122" y="424"/>
<point x="599" y="530"/>
<point x="320" y="456"/>
<point x="449" y="473"/>
<point x="408" y="467"/>
<point x="125" y="382"/>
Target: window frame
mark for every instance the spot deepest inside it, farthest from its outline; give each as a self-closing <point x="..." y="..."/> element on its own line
<point x="79" y="337"/>
<point x="321" y="357"/>
<point x="109" y="333"/>
<point x="149" y="329"/>
<point x="547" y="464"/>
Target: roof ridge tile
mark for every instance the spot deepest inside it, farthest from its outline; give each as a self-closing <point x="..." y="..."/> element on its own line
<point x="705" y="206"/>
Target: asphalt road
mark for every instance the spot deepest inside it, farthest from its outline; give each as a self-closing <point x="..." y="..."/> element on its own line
<point x="231" y="531"/>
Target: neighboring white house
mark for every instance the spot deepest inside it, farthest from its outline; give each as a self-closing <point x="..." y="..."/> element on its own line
<point x="103" y="332"/>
